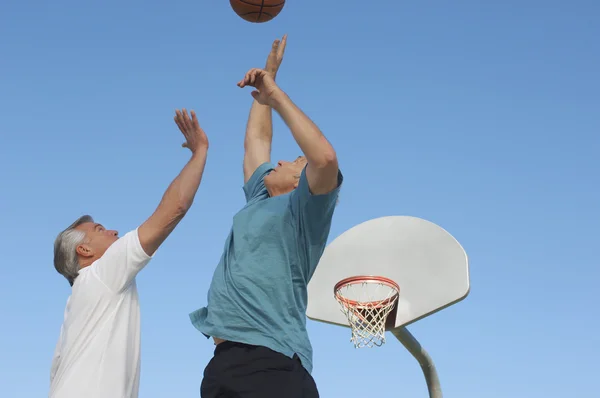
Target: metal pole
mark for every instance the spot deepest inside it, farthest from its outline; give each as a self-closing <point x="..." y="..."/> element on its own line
<point x="413" y="346"/>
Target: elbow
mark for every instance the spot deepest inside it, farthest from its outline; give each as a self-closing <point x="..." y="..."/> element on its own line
<point x="175" y="205"/>
<point x="327" y="159"/>
<point x="330" y="157"/>
<point x="182" y="208"/>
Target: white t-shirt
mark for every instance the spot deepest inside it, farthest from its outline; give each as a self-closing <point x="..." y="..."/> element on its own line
<point x="98" y="351"/>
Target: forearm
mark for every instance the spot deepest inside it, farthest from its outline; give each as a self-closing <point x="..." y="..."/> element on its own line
<point x="175" y="203"/>
<point x="179" y="196"/>
<point x="259" y="133"/>
<point x="260" y="124"/>
<point x="310" y="139"/>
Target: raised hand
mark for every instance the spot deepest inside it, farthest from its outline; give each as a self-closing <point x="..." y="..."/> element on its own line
<point x="276" y="56"/>
<point x="195" y="137"/>
<point x="263" y="82"/>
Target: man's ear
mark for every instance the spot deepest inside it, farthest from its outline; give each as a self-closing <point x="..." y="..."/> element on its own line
<point x="85" y="251"/>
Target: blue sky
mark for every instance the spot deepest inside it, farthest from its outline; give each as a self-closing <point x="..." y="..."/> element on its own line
<point x="483" y="117"/>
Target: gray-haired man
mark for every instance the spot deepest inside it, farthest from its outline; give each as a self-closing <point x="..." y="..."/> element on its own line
<point x="98" y="351"/>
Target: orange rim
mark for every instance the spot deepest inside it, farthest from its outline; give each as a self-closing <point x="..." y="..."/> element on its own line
<point x="355" y="280"/>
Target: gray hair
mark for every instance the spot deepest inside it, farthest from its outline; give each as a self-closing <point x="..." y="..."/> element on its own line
<point x="65" y="249"/>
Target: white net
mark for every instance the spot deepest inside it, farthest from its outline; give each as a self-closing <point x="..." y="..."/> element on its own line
<point x="367" y="304"/>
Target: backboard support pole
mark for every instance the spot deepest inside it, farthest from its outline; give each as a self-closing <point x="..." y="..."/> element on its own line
<point x="421" y="355"/>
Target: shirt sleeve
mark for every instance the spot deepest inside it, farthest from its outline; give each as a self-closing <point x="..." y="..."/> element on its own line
<point x="56" y="357"/>
<point x="314" y="212"/>
<point x="121" y="262"/>
<point x="255" y="186"/>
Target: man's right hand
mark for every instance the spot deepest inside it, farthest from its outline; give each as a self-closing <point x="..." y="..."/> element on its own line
<point x="263" y="82"/>
<point x="195" y="137"/>
<point x="276" y="56"/>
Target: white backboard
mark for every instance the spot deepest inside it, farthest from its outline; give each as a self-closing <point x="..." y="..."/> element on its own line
<point x="428" y="264"/>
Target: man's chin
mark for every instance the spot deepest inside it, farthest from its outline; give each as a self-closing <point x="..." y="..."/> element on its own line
<point x="269" y="178"/>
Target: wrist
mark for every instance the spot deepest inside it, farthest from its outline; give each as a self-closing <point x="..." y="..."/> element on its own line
<point x="199" y="154"/>
<point x="272" y="72"/>
<point x="277" y="98"/>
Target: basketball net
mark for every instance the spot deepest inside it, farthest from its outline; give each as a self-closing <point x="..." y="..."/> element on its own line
<point x="366" y="301"/>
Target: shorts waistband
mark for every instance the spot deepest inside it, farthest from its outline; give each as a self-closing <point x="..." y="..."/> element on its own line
<point x="226" y="345"/>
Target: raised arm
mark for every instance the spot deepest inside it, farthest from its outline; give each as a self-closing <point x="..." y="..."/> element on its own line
<point x="179" y="196"/>
<point x="259" y="130"/>
<point x="322" y="168"/>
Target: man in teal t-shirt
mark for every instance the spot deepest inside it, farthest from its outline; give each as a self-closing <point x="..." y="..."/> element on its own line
<point x="257" y="300"/>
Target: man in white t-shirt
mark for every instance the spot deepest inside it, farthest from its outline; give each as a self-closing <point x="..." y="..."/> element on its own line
<point x="98" y="351"/>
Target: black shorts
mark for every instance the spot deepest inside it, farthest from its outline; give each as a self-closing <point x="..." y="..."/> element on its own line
<point x="246" y="371"/>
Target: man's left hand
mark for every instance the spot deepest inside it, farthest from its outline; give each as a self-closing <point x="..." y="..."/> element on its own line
<point x="276" y="56"/>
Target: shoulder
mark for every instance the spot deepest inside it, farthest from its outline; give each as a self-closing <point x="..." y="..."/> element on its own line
<point x="255" y="188"/>
<point x="125" y="248"/>
<point x="315" y="204"/>
<point x="88" y="286"/>
<point x="121" y="262"/>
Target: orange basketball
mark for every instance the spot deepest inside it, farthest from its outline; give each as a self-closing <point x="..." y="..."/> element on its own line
<point x="257" y="10"/>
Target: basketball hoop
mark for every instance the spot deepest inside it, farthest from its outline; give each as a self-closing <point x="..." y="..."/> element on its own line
<point x="367" y="301"/>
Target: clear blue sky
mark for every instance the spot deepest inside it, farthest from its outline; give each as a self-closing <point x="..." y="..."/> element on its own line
<point x="483" y="117"/>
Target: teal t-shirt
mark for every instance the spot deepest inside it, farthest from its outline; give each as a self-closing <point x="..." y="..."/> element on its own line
<point x="258" y="293"/>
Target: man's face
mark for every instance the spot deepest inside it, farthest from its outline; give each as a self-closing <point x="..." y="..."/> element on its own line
<point x="97" y="240"/>
<point x="284" y="178"/>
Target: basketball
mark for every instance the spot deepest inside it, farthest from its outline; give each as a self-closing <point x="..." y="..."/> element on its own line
<point x="257" y="10"/>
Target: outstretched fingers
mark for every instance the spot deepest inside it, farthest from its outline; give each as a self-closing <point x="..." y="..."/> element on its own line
<point x="195" y="122"/>
<point x="184" y="123"/>
<point x="275" y="46"/>
<point x="281" y="47"/>
<point x="178" y="120"/>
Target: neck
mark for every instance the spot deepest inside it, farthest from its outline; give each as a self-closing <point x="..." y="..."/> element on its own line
<point x="86" y="262"/>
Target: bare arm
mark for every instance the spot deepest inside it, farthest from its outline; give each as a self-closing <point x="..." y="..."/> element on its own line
<point x="259" y="134"/>
<point x="179" y="197"/>
<point x="174" y="205"/>
<point x="322" y="168"/>
<point x="259" y="130"/>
